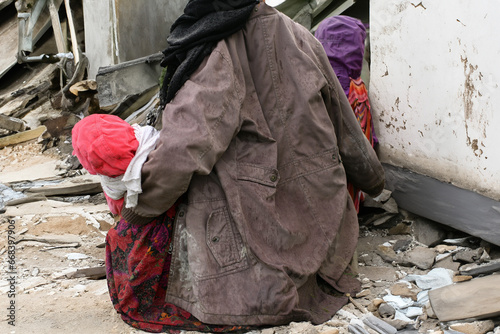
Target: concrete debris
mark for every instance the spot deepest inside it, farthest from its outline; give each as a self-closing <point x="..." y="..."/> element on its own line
<point x="476" y="298"/>
<point x="474" y="269"/>
<point x="476" y="327"/>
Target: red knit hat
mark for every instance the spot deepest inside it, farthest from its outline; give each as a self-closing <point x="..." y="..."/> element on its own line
<point x="104" y="144"/>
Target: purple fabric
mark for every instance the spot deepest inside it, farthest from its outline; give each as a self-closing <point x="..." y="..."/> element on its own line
<point x="343" y="39"/>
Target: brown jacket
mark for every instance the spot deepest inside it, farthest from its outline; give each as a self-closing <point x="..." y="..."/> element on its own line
<point x="261" y="137"/>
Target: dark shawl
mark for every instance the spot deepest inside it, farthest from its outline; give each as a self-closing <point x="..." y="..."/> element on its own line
<point x="194" y="35"/>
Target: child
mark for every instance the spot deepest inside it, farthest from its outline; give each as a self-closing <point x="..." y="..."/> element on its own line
<point x="108" y="146"/>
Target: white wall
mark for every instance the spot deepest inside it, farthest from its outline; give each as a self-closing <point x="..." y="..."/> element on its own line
<point x="434" y="89"/>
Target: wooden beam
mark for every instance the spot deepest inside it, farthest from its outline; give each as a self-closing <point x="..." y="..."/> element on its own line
<point x="22" y="137"/>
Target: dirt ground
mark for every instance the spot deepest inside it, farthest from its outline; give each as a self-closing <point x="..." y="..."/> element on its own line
<point x="47" y="301"/>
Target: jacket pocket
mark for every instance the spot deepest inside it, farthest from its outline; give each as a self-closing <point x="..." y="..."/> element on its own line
<point x="223" y="240"/>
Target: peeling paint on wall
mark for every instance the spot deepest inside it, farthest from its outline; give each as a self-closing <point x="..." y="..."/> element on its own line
<point x="435" y="96"/>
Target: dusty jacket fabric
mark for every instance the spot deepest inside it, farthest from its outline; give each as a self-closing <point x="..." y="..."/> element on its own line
<point x="261" y="137"/>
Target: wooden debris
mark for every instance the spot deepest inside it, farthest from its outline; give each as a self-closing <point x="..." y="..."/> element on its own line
<point x="478" y="298"/>
<point x="77" y="189"/>
<point x="22" y="136"/>
<point x="90" y="273"/>
<point x="48" y="239"/>
<point x="83" y="86"/>
<point x="74" y="245"/>
<point x="28" y="199"/>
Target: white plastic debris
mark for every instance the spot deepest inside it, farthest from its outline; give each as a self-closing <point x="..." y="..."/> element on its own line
<point x="413" y="312"/>
<point x="436" y="278"/>
<point x="398" y="302"/>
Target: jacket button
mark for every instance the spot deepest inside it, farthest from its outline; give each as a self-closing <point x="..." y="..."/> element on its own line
<point x="273" y="177"/>
<point x="181" y="214"/>
<point x="334" y="156"/>
<point x="215" y="239"/>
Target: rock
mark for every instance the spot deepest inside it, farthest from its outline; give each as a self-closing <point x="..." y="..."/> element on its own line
<point x="400" y="229"/>
<point x="330" y="331"/>
<point x="363" y="293"/>
<point x="428" y="232"/>
<point x="478" y="269"/>
<point x="405" y="289"/>
<point x="267" y="331"/>
<point x="302" y="328"/>
<point x="398" y="324"/>
<point x="386" y="311"/>
<point x="476" y="327"/>
<point x="447" y="263"/>
<point x="421" y="257"/>
<point x="387" y="254"/>
<point x="445" y="248"/>
<point x="468" y="255"/>
<point x="387" y="274"/>
<point x="401" y="245"/>
<point x="461" y="278"/>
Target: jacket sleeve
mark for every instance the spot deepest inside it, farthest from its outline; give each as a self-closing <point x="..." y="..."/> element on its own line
<point x="362" y="166"/>
<point x="198" y="126"/>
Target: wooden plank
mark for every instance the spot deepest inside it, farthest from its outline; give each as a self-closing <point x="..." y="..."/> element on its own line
<point x="77" y="189"/>
<point x="22" y="136"/>
<point x="478" y="298"/>
<point x="90" y="273"/>
<point x="8" y="44"/>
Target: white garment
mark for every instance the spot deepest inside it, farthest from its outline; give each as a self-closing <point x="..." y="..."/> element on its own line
<point x="130" y="182"/>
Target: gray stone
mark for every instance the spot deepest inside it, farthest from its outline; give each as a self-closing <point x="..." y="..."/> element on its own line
<point x="468" y="255"/>
<point x="379" y="273"/>
<point x="428" y="232"/>
<point x="473" y="269"/>
<point x="386" y="311"/>
<point x="401" y="228"/>
<point x="421" y="257"/>
<point x="476" y="327"/>
<point x="401" y="245"/>
<point x="447" y="263"/>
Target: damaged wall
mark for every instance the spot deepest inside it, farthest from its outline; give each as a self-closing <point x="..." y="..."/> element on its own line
<point x="434" y="89"/>
<point x="120" y="30"/>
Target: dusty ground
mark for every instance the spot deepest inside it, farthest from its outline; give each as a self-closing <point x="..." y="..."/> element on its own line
<point x="49" y="302"/>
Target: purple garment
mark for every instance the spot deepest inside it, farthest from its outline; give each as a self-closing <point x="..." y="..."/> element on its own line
<point x="343" y="39"/>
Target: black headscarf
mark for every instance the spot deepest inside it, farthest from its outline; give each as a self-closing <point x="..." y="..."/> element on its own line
<point x="194" y="35"/>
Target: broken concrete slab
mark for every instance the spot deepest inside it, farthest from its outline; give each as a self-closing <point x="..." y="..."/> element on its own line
<point x="476" y="327"/>
<point x="472" y="299"/>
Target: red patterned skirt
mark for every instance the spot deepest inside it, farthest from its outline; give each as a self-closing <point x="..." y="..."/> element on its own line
<point x="137" y="269"/>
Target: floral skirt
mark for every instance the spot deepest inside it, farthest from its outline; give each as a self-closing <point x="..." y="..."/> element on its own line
<point x="137" y="268"/>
